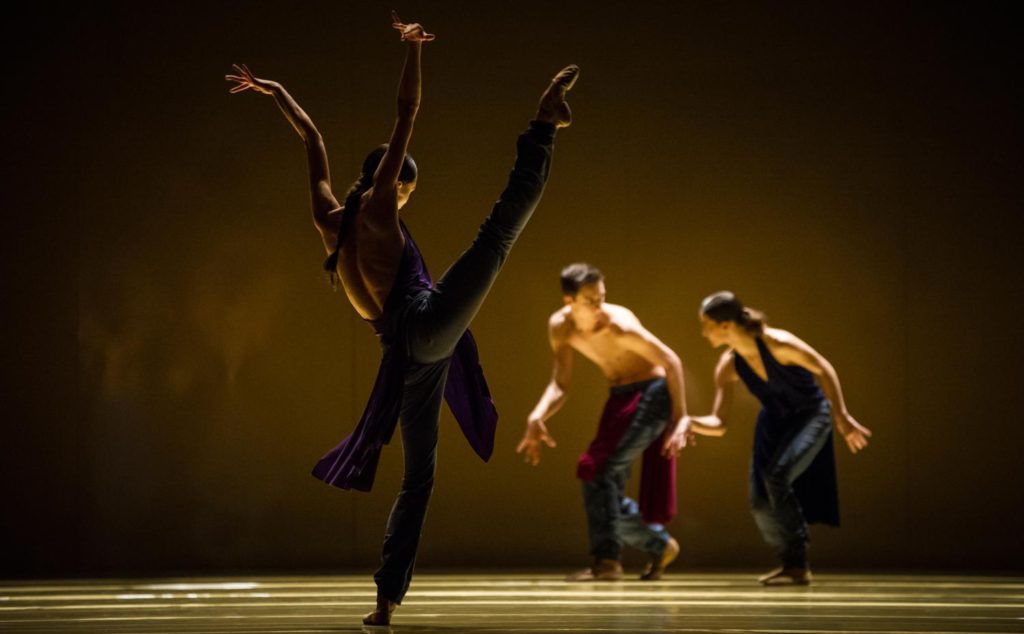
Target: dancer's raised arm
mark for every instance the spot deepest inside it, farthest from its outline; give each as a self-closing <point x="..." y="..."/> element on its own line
<point x="385" y="181"/>
<point x="316" y="154"/>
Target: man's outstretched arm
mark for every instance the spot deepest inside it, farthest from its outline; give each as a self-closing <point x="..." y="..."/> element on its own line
<point x="554" y="396"/>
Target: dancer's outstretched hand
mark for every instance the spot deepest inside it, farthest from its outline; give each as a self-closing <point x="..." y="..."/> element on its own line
<point x="682" y="437"/>
<point x="855" y="434"/>
<point x="536" y="433"/>
<point x="553" y="107"/>
<point x="247" y="81"/>
<point x="410" y="32"/>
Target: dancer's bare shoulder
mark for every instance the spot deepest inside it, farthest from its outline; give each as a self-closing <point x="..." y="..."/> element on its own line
<point x="560" y="325"/>
<point x="329" y="224"/>
<point x="621" y="320"/>
<point x="786" y="347"/>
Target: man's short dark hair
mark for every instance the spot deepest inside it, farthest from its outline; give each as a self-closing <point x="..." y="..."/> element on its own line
<point x="577" y="275"/>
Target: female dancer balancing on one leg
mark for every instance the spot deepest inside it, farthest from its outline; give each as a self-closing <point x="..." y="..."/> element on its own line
<point x="792" y="473"/>
<point x="427" y="350"/>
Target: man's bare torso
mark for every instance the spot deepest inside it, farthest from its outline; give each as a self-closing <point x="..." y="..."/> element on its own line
<point x="602" y="343"/>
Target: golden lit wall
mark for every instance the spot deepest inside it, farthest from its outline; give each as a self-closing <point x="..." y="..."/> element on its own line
<point x="177" y="363"/>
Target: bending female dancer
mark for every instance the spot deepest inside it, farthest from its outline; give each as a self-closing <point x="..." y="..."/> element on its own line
<point x="792" y="473"/>
<point x="422" y="327"/>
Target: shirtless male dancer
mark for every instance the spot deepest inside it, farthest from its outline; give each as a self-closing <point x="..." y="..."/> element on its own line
<point x="427" y="351"/>
<point x="647" y="402"/>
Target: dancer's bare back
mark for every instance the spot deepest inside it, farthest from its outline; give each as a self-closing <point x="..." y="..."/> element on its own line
<point x="369" y="259"/>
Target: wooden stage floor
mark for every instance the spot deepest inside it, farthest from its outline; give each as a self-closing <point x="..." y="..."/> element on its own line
<point x="519" y="603"/>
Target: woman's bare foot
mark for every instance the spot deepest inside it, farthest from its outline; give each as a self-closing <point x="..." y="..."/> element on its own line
<point x="382" y="615"/>
<point x="783" y="576"/>
<point x="553" y="108"/>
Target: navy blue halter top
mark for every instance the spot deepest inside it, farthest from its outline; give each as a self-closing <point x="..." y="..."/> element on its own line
<point x="790" y="396"/>
<point x="789" y="388"/>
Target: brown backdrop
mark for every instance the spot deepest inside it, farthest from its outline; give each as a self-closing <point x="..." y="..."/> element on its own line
<point x="174" y="362"/>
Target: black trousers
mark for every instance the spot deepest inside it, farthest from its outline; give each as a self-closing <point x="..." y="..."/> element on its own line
<point x="433" y="326"/>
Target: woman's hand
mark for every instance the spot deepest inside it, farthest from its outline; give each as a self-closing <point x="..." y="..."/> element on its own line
<point x="410" y="32"/>
<point x="855" y="434"/>
<point x="247" y="81"/>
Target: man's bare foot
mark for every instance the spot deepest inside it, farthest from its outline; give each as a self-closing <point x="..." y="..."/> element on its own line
<point x="553" y="108"/>
<point x="783" y="576"/>
<point x="381" y="616"/>
<point x="655" y="569"/>
<point x="602" y="570"/>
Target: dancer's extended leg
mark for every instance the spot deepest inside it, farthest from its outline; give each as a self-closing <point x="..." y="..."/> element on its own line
<point x="464" y="286"/>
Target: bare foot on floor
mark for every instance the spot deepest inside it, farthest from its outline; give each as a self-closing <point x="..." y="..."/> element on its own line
<point x="656" y="569"/>
<point x="381" y="616"/>
<point x="782" y="576"/>
<point x="602" y="570"/>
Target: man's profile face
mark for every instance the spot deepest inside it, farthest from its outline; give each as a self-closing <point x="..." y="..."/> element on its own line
<point x="588" y="300"/>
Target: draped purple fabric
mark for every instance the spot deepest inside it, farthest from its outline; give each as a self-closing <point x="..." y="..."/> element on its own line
<point x="353" y="463"/>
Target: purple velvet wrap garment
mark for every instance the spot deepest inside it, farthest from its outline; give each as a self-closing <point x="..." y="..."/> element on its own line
<point x="353" y="463"/>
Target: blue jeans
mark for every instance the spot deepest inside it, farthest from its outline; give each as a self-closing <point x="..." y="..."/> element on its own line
<point x="612" y="518"/>
<point x="437" y="322"/>
<point x="773" y="502"/>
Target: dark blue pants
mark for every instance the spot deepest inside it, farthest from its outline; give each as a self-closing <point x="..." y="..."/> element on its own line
<point x="612" y="518"/>
<point x="433" y="326"/>
<point x="773" y="502"/>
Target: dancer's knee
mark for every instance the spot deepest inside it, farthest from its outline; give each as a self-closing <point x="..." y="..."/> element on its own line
<point x="417" y="486"/>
